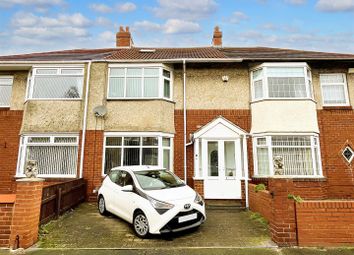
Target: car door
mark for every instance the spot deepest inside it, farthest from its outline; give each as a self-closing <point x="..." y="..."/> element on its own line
<point x="128" y="199"/>
<point x="109" y="190"/>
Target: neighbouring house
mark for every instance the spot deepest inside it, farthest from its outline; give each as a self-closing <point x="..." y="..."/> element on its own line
<point x="217" y="116"/>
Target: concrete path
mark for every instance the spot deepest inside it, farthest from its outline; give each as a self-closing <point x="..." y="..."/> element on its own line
<point x="86" y="228"/>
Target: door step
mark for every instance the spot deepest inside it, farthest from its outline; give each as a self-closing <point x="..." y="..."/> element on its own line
<point x="223" y="204"/>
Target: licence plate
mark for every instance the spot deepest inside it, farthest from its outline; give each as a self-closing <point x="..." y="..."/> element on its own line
<point x="187" y="218"/>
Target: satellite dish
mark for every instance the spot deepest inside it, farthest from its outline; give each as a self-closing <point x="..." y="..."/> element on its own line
<point x="100" y="111"/>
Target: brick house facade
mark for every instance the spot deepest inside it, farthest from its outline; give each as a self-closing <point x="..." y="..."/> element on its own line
<point x="241" y="108"/>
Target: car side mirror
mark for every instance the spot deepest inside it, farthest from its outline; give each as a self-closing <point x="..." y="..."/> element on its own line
<point x="127" y="188"/>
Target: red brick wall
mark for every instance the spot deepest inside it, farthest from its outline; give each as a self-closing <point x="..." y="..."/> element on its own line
<point x="25" y="222"/>
<point x="336" y="131"/>
<point x="325" y="223"/>
<point x="260" y="201"/>
<point x="10" y="125"/>
<point x="6" y="211"/>
<point x="93" y="157"/>
<point x="198" y="185"/>
<point x="195" y="120"/>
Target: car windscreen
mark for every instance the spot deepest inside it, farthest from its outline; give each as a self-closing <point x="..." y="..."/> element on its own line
<point x="158" y="179"/>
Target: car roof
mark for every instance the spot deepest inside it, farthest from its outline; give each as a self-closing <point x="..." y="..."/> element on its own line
<point x="137" y="168"/>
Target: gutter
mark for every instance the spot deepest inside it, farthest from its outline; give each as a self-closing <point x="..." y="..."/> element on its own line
<point x="83" y="137"/>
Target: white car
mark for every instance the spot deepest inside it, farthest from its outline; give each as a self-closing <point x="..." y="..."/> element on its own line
<point x="154" y="200"/>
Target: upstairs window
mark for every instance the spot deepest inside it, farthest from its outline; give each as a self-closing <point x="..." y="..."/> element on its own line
<point x="139" y="82"/>
<point x="5" y="90"/>
<point x="56" y="83"/>
<point x="334" y="89"/>
<point x="277" y="81"/>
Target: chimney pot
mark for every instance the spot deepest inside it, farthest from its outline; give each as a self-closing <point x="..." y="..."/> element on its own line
<point x="217" y="37"/>
<point x="124" y="38"/>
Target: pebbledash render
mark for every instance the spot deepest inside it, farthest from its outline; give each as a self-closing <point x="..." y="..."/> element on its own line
<point x="216" y="116"/>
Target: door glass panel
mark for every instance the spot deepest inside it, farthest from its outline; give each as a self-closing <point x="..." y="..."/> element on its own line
<point x="213" y="159"/>
<point x="230" y="164"/>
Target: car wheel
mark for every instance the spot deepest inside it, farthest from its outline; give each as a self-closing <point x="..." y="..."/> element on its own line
<point x="102" y="206"/>
<point x="141" y="225"/>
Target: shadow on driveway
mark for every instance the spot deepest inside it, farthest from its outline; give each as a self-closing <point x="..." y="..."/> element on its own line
<point x="86" y="228"/>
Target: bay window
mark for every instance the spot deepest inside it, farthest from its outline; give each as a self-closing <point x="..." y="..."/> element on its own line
<point x="56" y="156"/>
<point x="130" y="149"/>
<point x="5" y="90"/>
<point x="300" y="155"/>
<point x="334" y="89"/>
<point x="139" y="82"/>
<point x="281" y="80"/>
<point x="56" y="83"/>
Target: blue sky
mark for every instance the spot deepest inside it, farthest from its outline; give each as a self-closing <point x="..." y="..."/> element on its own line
<point x="42" y="25"/>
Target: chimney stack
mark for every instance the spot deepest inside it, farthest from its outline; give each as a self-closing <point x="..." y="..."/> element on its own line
<point x="217" y="37"/>
<point x="124" y="38"/>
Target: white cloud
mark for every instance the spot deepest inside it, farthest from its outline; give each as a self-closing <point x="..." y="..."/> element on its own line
<point x="120" y="7"/>
<point x="335" y="5"/>
<point x="296" y="2"/>
<point x="126" y="7"/>
<point x="146" y="25"/>
<point x="177" y="26"/>
<point x="171" y="26"/>
<point x="104" y="22"/>
<point x="237" y="17"/>
<point x="185" y="9"/>
<point x="107" y="36"/>
<point x="39" y="5"/>
<point x="100" y="8"/>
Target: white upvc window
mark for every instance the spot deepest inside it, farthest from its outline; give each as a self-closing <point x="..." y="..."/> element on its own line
<point x="56" y="155"/>
<point x="300" y="155"/>
<point x="6" y="83"/>
<point x="56" y="83"/>
<point x="281" y="81"/>
<point x="140" y="82"/>
<point x="334" y="89"/>
<point x="136" y="149"/>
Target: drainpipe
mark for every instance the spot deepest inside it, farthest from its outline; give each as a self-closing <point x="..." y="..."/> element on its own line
<point x="245" y="166"/>
<point x="85" y="119"/>
<point x="184" y="123"/>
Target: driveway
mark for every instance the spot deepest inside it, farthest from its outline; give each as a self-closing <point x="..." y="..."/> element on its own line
<point x="86" y="228"/>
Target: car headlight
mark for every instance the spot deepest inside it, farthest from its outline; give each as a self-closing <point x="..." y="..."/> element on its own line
<point x="198" y="199"/>
<point x="160" y="206"/>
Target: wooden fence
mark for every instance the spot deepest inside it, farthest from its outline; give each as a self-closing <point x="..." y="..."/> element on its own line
<point x="59" y="198"/>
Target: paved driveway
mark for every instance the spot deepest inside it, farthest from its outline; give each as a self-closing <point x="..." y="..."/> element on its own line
<point x="86" y="228"/>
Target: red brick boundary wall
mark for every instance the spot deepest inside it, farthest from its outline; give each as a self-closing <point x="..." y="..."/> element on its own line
<point x="325" y="223"/>
<point x="260" y="201"/>
<point x="25" y="219"/>
<point x="6" y="212"/>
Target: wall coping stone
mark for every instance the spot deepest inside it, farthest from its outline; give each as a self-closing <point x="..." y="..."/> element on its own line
<point x="30" y="180"/>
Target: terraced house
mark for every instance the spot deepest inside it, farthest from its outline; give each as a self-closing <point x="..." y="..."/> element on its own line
<point x="219" y="117"/>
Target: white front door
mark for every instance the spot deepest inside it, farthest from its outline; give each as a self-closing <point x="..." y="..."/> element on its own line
<point x="222" y="172"/>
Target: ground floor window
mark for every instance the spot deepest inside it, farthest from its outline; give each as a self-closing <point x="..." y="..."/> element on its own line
<point x="129" y="149"/>
<point x="55" y="155"/>
<point x="300" y="155"/>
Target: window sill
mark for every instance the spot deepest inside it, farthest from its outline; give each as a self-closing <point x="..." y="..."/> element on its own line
<point x="61" y="176"/>
<point x="141" y="99"/>
<point x="343" y="107"/>
<point x="282" y="99"/>
<point x="53" y="99"/>
<point x="296" y="178"/>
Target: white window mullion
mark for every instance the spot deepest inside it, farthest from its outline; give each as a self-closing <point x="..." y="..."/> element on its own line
<point x="270" y="153"/>
<point x="160" y="152"/>
<point x="265" y="83"/>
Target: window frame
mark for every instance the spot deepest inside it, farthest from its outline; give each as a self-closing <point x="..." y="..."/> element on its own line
<point x="315" y="143"/>
<point x="24" y="144"/>
<point x="161" y="79"/>
<point x="12" y="84"/>
<point x="160" y="147"/>
<point x="33" y="73"/>
<point x="265" y="85"/>
<point x="345" y="85"/>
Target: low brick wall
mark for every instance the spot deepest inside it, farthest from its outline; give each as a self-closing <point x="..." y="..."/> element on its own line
<point x="260" y="201"/>
<point x="325" y="223"/>
<point x="6" y="212"/>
